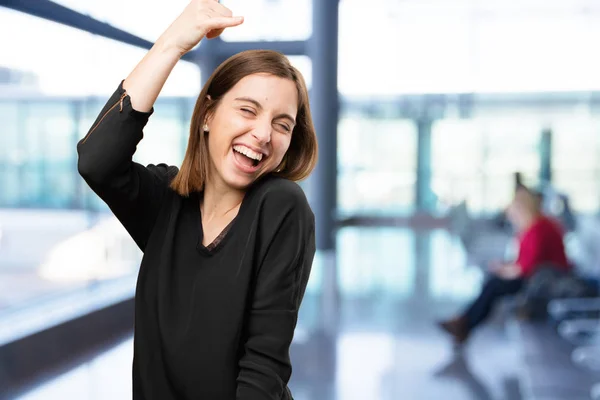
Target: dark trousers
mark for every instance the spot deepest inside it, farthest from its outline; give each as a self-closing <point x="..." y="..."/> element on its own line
<point x="492" y="290"/>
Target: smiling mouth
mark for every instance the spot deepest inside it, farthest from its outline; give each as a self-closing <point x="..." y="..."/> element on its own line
<point x="247" y="157"/>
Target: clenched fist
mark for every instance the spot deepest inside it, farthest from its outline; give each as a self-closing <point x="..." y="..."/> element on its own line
<point x="201" y="18"/>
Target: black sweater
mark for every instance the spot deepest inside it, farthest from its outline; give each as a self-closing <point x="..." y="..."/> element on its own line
<point x="212" y="325"/>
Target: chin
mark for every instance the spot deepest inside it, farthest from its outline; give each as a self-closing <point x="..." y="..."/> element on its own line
<point x="239" y="184"/>
<point x="242" y="182"/>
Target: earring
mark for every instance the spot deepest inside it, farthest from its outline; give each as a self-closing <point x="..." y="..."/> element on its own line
<point x="205" y="128"/>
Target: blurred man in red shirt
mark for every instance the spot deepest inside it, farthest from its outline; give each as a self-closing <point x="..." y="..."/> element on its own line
<point x="540" y="243"/>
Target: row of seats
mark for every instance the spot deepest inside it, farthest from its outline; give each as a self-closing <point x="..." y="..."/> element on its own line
<point x="560" y="359"/>
<point x="561" y="352"/>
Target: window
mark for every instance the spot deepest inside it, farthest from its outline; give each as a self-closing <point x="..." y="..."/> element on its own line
<point x="167" y="132"/>
<point x="267" y="20"/>
<point x="541" y="49"/>
<point x="56" y="236"/>
<point x="455" y="47"/>
<point x="430" y="51"/>
<point x="475" y="160"/>
<point x="270" y="20"/>
<point x="511" y="145"/>
<point x="138" y="17"/>
<point x="457" y="154"/>
<point x="575" y="163"/>
<point x="69" y="62"/>
<point x="46" y="108"/>
<point x="304" y="65"/>
<point x="376" y="165"/>
<point x="450" y="276"/>
<point x="368" y="268"/>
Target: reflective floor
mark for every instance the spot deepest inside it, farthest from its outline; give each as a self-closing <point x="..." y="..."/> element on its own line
<point x="373" y="339"/>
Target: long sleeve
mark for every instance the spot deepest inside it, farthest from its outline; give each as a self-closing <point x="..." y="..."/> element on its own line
<point x="281" y="280"/>
<point x="132" y="191"/>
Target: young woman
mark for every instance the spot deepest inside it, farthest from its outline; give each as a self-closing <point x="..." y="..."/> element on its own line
<point x="228" y="238"/>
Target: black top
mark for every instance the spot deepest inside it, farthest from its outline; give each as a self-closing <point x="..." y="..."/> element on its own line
<point x="209" y="324"/>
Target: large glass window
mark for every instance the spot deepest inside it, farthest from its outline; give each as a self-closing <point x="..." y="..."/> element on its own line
<point x="266" y="20"/>
<point x="270" y="20"/>
<point x="304" y="65"/>
<point x="511" y="145"/>
<point x="456" y="160"/>
<point x="475" y="159"/>
<point x="166" y="134"/>
<point x="376" y="165"/>
<point x="535" y="47"/>
<point x="46" y="108"/>
<point x="449" y="47"/>
<point x="138" y="17"/>
<point x="376" y="261"/>
<point x="56" y="236"/>
<point x="576" y="162"/>
<point x="450" y="276"/>
<point x="69" y="62"/>
<point x="10" y="156"/>
<point x="46" y="154"/>
<point x="411" y="49"/>
<point x="37" y="156"/>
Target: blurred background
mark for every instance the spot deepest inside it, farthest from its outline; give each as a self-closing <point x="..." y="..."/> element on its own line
<point x="425" y="111"/>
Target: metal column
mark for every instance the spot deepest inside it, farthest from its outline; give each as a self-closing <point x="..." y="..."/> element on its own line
<point x="546" y="156"/>
<point x="322" y="185"/>
<point x="211" y="58"/>
<point x="323" y="50"/>
<point x="424" y="195"/>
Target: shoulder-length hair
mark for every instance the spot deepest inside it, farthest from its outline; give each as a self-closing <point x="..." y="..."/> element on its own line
<point x="301" y="157"/>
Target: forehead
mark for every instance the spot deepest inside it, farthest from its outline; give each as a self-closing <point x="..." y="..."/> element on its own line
<point x="272" y="92"/>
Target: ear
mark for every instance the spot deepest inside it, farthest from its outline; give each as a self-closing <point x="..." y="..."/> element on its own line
<point x="208" y="117"/>
<point x="207" y="122"/>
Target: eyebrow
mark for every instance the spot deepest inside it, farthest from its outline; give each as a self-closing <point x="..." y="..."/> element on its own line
<point x="260" y="107"/>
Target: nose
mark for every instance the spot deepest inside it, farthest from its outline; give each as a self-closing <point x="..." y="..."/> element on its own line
<point x="262" y="132"/>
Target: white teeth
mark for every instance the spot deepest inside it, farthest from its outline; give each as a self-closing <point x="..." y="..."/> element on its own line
<point x="247" y="152"/>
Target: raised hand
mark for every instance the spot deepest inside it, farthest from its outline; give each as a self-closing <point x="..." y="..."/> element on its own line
<point x="200" y="18"/>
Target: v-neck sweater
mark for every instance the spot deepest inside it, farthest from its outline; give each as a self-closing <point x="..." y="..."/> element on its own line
<point x="209" y="324"/>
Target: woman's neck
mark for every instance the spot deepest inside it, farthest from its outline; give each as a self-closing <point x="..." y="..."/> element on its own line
<point x="219" y="200"/>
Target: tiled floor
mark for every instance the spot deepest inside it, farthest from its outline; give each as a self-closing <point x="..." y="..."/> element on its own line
<point x="393" y="285"/>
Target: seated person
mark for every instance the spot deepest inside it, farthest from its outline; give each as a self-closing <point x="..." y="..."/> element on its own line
<point x="540" y="243"/>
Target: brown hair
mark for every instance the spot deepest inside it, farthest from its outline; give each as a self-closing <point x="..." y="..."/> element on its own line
<point x="301" y="157"/>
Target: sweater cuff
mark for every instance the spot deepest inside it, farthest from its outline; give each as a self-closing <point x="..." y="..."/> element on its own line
<point x="127" y="104"/>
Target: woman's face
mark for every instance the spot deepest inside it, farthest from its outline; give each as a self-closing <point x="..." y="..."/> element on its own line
<point x="514" y="214"/>
<point x="251" y="129"/>
<point x="519" y="215"/>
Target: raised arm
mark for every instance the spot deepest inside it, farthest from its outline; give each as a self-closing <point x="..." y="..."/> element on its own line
<point x="201" y="18"/>
<point x="282" y="276"/>
<point x="133" y="192"/>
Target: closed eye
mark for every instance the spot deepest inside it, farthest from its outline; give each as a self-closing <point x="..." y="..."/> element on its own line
<point x="248" y="111"/>
<point x="285" y="127"/>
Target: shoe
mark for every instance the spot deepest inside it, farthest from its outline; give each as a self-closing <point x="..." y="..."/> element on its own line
<point x="457" y="327"/>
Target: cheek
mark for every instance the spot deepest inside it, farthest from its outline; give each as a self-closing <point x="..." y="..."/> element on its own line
<point x="281" y="146"/>
<point x="220" y="138"/>
<point x="228" y="125"/>
<point x="212" y="143"/>
<point x="234" y="123"/>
